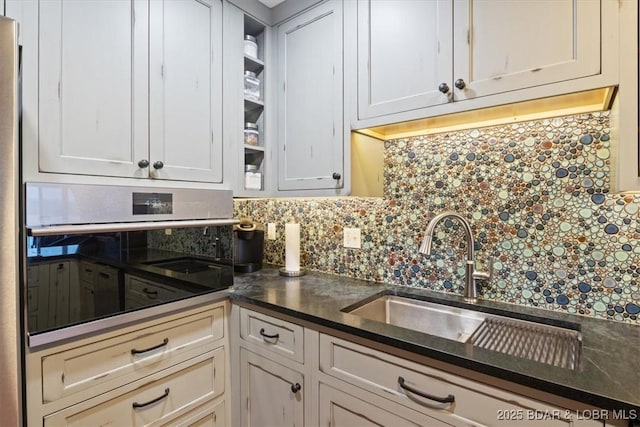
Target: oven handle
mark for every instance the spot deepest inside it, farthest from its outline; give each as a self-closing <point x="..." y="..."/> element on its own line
<point x="126" y="226"/>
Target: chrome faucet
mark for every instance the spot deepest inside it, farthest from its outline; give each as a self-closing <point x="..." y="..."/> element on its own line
<point x="470" y="290"/>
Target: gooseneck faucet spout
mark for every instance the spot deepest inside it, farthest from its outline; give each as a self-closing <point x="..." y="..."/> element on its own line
<point x="470" y="289"/>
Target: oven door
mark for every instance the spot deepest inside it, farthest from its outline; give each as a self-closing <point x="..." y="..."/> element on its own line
<point x="85" y="277"/>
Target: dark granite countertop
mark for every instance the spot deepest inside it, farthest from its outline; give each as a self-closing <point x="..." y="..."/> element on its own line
<point x="608" y="376"/>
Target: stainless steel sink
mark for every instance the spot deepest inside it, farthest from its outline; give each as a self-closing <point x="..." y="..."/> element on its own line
<point x="544" y="343"/>
<point x="432" y="318"/>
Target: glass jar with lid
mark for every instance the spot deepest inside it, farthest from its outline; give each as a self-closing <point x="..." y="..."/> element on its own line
<point x="252" y="178"/>
<point x="251" y="86"/>
<point x="251" y="134"/>
<point x="250" y="46"/>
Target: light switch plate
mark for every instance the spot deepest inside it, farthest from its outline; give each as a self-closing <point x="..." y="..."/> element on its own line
<point x="352" y="238"/>
<point x="271" y="231"/>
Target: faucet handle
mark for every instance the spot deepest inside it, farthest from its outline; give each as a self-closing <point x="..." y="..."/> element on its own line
<point x="483" y="275"/>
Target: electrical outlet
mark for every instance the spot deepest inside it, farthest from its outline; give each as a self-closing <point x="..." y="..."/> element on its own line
<point x="352" y="238"/>
<point x="271" y="231"/>
<point x="167" y="231"/>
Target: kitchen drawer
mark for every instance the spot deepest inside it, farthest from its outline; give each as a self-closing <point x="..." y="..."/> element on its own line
<point x="94" y="368"/>
<point x="87" y="271"/>
<point x="212" y="414"/>
<point x="155" y="403"/>
<point x="343" y="405"/>
<point x="150" y="291"/>
<point x="275" y="335"/>
<point x="475" y="403"/>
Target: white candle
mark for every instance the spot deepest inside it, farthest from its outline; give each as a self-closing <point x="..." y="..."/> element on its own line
<point x="292" y="247"/>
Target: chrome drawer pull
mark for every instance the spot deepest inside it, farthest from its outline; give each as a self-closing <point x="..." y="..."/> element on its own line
<point x="449" y="399"/>
<point x="137" y="405"/>
<point x="155" y="347"/>
<point x="272" y="337"/>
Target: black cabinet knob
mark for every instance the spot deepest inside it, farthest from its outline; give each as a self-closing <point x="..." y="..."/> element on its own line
<point x="143" y="163"/>
<point x="158" y="165"/>
<point x="444" y="88"/>
<point x="460" y="84"/>
<point x="336" y="176"/>
<point x="296" y="388"/>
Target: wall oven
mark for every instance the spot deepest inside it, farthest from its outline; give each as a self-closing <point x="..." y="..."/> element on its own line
<point x="98" y="257"/>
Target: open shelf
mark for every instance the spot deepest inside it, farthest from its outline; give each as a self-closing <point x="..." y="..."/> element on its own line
<point x="253" y="147"/>
<point x="254" y="110"/>
<point x="253" y="64"/>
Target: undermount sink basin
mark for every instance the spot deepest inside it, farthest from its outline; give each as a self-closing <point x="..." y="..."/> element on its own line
<point x="558" y="346"/>
<point x="435" y="319"/>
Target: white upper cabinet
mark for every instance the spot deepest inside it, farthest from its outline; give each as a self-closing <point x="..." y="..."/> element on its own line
<point x="185" y="73"/>
<point x="404" y="53"/>
<point x="418" y="58"/>
<point x="504" y="45"/>
<point x="625" y="127"/>
<point x="93" y="93"/>
<point x="131" y="88"/>
<point x="310" y="100"/>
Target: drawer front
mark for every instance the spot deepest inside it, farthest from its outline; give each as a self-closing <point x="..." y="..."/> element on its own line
<point x="345" y="406"/>
<point x="278" y="336"/>
<point x="87" y="271"/>
<point x="212" y="414"/>
<point x="107" y="364"/>
<point x="150" y="291"/>
<point x="154" y="403"/>
<point x="475" y="403"/>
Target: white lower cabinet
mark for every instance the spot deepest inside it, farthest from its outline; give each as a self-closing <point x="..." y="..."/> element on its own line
<point x="171" y="371"/>
<point x="449" y="399"/>
<point x="283" y="338"/>
<point x="273" y="392"/>
<point x="142" y="293"/>
<point x="270" y="364"/>
<point x="313" y="378"/>
<point x="210" y="415"/>
<point x="50" y="288"/>
<point x="357" y="408"/>
<point x="155" y="402"/>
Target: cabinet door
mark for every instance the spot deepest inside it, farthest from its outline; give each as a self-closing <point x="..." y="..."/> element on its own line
<point x="58" y="313"/>
<point x="37" y="296"/>
<point x="93" y="94"/>
<point x="404" y="54"/>
<point x="504" y="45"/>
<point x="87" y="296"/>
<point x="310" y="99"/>
<point x="106" y="291"/>
<point x="267" y="390"/>
<point x="186" y="90"/>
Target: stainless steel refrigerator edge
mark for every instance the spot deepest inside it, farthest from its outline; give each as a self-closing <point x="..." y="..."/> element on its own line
<point x="10" y="331"/>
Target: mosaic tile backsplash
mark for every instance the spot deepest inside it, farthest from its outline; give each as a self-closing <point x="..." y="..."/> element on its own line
<point x="535" y="193"/>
